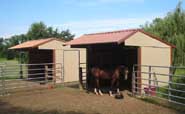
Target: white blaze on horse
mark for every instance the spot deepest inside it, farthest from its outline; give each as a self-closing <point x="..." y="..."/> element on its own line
<point x="111" y="74"/>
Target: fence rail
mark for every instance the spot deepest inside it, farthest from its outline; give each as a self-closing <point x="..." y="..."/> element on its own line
<point x="28" y="76"/>
<point x="163" y="82"/>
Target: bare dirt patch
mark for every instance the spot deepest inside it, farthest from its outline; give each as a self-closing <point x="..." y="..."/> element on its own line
<point x="74" y="101"/>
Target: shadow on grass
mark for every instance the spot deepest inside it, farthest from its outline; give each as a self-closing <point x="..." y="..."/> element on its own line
<point x="6" y="108"/>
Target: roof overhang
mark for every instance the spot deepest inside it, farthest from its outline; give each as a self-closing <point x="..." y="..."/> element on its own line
<point x="32" y="44"/>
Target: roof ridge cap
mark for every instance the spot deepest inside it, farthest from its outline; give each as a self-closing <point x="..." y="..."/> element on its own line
<point x="39" y="39"/>
<point x="116" y="31"/>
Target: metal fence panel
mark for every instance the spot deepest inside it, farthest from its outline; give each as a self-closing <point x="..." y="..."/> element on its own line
<point x="148" y="82"/>
<point x="29" y="76"/>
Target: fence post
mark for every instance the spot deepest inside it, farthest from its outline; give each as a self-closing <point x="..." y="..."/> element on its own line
<point x="46" y="73"/>
<point x="80" y="78"/>
<point x="62" y="73"/>
<point x="54" y="73"/>
<point x="21" y="71"/>
<point x="133" y="81"/>
<point x="170" y="83"/>
<point x="149" y="81"/>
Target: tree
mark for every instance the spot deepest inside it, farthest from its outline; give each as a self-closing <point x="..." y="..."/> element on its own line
<point x="36" y="31"/>
<point x="39" y="30"/>
<point x="171" y="28"/>
<point x="1" y="47"/>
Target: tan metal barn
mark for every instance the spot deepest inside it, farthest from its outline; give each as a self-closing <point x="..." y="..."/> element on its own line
<point x="127" y="47"/>
<point x="52" y="50"/>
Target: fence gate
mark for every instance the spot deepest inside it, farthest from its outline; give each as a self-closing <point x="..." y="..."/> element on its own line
<point x="163" y="82"/>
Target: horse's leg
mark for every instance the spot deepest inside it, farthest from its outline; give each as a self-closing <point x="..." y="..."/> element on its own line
<point x="95" y="91"/>
<point x="96" y="86"/>
<point x="111" y="87"/>
<point x="117" y="86"/>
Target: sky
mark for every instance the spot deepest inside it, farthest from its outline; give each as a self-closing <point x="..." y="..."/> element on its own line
<point x="80" y="16"/>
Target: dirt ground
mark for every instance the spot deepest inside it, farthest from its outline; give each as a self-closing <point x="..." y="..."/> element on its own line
<point x="73" y="101"/>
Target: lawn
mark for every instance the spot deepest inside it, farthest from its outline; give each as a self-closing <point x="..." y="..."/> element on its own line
<point x="2" y="60"/>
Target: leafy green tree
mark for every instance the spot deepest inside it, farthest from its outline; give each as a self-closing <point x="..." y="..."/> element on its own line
<point x="171" y="28"/>
<point x="40" y="30"/>
<point x="1" y="47"/>
<point x="36" y="31"/>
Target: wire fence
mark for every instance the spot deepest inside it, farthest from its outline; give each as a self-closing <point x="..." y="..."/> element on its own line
<point x="163" y="82"/>
<point x="14" y="77"/>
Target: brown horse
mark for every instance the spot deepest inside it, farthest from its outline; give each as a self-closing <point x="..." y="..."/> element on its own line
<point x="111" y="74"/>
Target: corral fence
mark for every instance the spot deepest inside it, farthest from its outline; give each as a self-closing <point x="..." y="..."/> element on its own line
<point x="15" y="77"/>
<point x="167" y="83"/>
<point x="163" y="82"/>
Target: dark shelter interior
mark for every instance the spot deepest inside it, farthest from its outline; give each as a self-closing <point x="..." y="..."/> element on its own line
<point x="109" y="56"/>
<point x="37" y="58"/>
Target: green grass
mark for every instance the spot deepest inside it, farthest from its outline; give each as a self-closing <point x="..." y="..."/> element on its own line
<point x="180" y="72"/>
<point x="10" y="71"/>
<point x="165" y="91"/>
<point x="162" y="90"/>
<point x="5" y="60"/>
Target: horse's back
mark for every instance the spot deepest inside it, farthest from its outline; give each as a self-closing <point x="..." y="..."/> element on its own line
<point x="104" y="73"/>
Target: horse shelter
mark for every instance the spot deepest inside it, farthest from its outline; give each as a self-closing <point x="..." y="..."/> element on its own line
<point x="128" y="48"/>
<point x="108" y="49"/>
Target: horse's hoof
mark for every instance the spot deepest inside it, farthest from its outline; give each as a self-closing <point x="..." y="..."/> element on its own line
<point x="96" y="93"/>
<point x="101" y="94"/>
<point x="111" y="95"/>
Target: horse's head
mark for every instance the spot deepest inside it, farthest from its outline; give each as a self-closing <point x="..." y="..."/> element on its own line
<point x="124" y="71"/>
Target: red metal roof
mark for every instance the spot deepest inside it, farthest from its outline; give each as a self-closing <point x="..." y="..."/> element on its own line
<point x="105" y="37"/>
<point x="31" y="44"/>
<point x="110" y="37"/>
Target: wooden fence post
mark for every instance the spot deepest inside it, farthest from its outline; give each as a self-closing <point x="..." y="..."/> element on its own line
<point x="54" y="73"/>
<point x="46" y="73"/>
<point x="21" y="71"/>
<point x="133" y="81"/>
<point x="80" y="78"/>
